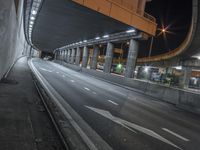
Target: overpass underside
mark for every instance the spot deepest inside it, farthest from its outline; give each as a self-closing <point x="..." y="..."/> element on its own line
<point x="62" y="22"/>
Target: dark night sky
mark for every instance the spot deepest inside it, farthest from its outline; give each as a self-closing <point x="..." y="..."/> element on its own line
<point x="173" y="13"/>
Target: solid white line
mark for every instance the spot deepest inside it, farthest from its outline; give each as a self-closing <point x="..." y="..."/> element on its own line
<point x="86" y="89"/>
<point x="175" y="134"/>
<point x="113" y="102"/>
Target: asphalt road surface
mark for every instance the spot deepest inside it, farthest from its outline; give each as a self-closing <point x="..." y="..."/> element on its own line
<point x="125" y="119"/>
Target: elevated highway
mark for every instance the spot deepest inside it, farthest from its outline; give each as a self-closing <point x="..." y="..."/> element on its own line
<point x="189" y="48"/>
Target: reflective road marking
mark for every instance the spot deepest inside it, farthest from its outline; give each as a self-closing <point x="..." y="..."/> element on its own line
<point x="131" y="126"/>
<point x="86" y="89"/>
<point x="175" y="134"/>
<point x="94" y="93"/>
<point x="113" y="102"/>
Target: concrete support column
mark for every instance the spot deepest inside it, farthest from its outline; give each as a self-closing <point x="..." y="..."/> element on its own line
<point x="60" y="58"/>
<point x="141" y="6"/>
<point x="94" y="57"/>
<point x="108" y="58"/>
<point x="131" y="60"/>
<point x="64" y="58"/>
<point x="59" y="54"/>
<point x="184" y="83"/>
<point x="55" y="56"/>
<point x="68" y="55"/>
<point x="85" y="56"/>
<point x="78" y="56"/>
<point x="63" y="55"/>
<point x="73" y="56"/>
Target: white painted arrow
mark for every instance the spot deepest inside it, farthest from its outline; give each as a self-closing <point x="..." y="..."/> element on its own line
<point x="130" y="125"/>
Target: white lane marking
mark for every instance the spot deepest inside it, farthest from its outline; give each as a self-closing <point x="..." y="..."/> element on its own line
<point x="113" y="102"/>
<point x="63" y="76"/>
<point x="131" y="126"/>
<point x="57" y="72"/>
<point x="45" y="70"/>
<point x="175" y="134"/>
<point x="86" y="89"/>
<point x="72" y="81"/>
<point x="94" y="93"/>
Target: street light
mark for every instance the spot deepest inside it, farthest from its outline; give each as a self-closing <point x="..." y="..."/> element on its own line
<point x="106" y="36"/>
<point x="152" y="39"/>
<point x="130" y="31"/>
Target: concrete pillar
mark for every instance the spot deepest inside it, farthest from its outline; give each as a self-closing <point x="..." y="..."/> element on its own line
<point x="68" y="55"/>
<point x="55" y="55"/>
<point x="85" y="57"/>
<point x="73" y="56"/>
<point x="78" y="56"/>
<point x="131" y="60"/>
<point x="184" y="82"/>
<point x="108" y="58"/>
<point x="94" y="57"/>
<point x="59" y="54"/>
<point x="141" y="6"/>
<point x="63" y="55"/>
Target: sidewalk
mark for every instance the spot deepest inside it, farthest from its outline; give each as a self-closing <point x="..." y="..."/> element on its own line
<point x="24" y="123"/>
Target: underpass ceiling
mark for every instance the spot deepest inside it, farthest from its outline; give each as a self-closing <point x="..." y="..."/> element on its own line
<point x="62" y="22"/>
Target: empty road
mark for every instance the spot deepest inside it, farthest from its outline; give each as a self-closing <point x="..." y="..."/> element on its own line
<point x="126" y="120"/>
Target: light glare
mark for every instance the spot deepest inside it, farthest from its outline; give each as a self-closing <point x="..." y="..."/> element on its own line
<point x="32" y="18"/>
<point x="130" y="31"/>
<point x="34" y="12"/>
<point x="105" y="36"/>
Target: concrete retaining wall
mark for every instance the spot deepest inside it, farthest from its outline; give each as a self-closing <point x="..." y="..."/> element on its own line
<point x="181" y="98"/>
<point x="12" y="40"/>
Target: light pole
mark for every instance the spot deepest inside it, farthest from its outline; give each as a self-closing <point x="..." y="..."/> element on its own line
<point x="152" y="40"/>
<point x="151" y="46"/>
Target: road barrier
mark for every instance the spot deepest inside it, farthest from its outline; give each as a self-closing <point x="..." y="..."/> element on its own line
<point x="186" y="100"/>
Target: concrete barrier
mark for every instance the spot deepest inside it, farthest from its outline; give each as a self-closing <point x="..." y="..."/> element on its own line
<point x="181" y="98"/>
<point x="170" y="95"/>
